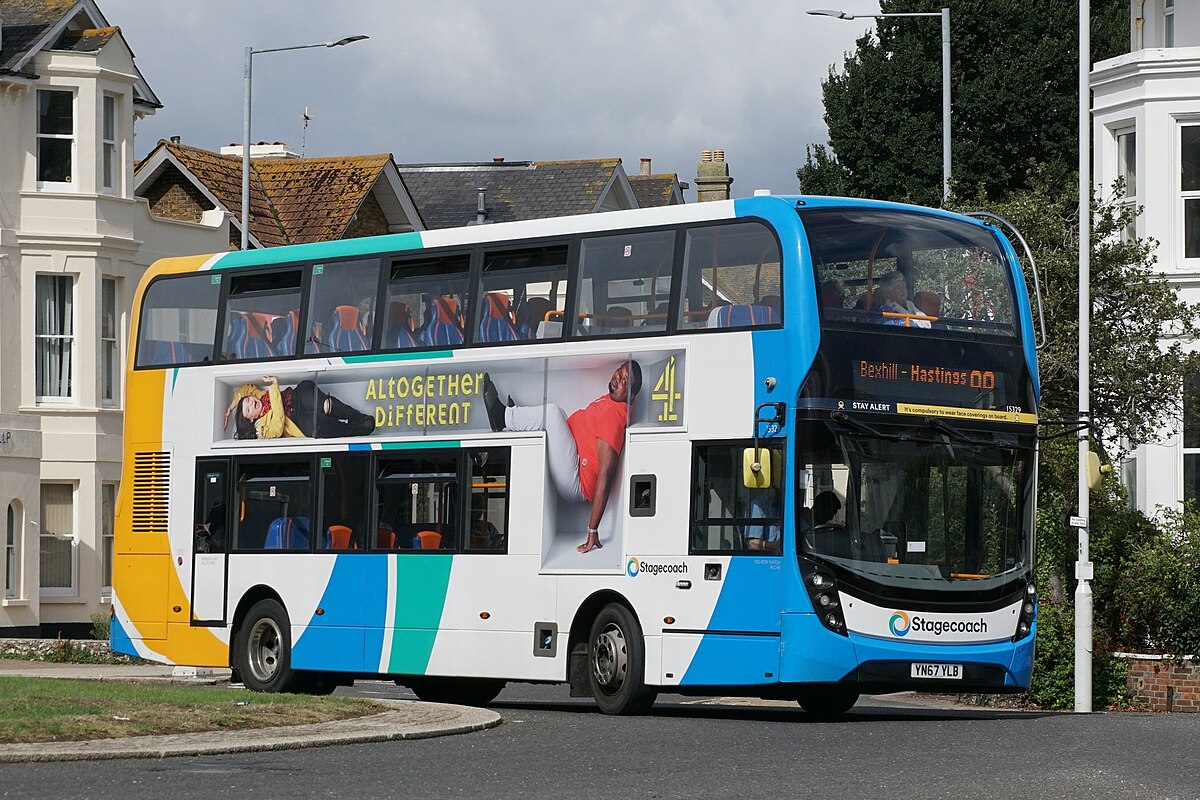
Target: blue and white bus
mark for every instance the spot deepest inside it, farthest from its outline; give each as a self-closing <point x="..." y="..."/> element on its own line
<point x="778" y="447"/>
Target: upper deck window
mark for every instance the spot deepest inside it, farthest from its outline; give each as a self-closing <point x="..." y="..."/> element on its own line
<point x="262" y="315"/>
<point x="341" y="306"/>
<point x="178" y="322"/>
<point x="426" y="300"/>
<point x="625" y="283"/>
<point x="911" y="270"/>
<point x="731" y="277"/>
<point x="524" y="295"/>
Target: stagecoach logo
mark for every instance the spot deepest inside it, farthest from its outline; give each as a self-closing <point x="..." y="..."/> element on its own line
<point x="899" y="624"/>
<point x="635" y="566"/>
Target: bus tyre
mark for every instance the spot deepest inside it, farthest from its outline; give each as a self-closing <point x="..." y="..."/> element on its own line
<point x="827" y="703"/>
<point x="617" y="663"/>
<point x="264" y="649"/>
<point x="459" y="691"/>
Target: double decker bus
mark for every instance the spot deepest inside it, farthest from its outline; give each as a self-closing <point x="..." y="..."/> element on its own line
<point x="780" y="447"/>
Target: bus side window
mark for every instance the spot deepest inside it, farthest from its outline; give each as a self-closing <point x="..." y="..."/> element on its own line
<point x="341" y="306"/>
<point x="211" y="522"/>
<point x="344" y="517"/>
<point x="524" y="295"/>
<point x="262" y="315"/>
<point x="488" y="513"/>
<point x="727" y="516"/>
<point x="417" y="501"/>
<point x="731" y="277"/>
<point x="275" y="500"/>
<point x="178" y="323"/>
<point x="424" y="301"/>
<point x="625" y="282"/>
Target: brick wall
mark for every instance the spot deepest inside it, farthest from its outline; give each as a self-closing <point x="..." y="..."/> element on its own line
<point x="369" y="221"/>
<point x="1163" y="684"/>
<point x="172" y="196"/>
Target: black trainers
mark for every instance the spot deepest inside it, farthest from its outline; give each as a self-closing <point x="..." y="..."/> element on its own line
<point x="493" y="404"/>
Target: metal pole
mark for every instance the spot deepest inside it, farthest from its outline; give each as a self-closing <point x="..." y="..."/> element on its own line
<point x="1083" y="566"/>
<point x="945" y="103"/>
<point x="246" y="152"/>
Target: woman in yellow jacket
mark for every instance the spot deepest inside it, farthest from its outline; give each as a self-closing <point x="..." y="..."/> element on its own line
<point x="304" y="410"/>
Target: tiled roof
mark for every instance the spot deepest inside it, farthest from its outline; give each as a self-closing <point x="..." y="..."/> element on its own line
<point x="447" y="194"/>
<point x="292" y="200"/>
<point x="314" y="199"/>
<point x="652" y="191"/>
<point x="25" y="23"/>
<point x="87" y="41"/>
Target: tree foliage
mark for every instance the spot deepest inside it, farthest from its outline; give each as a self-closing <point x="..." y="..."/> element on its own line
<point x="1014" y="79"/>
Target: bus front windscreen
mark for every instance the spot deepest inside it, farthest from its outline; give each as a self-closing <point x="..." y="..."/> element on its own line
<point x="916" y="508"/>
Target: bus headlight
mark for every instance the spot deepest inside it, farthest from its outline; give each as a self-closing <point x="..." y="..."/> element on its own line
<point x="823" y="593"/>
<point x="1028" y="612"/>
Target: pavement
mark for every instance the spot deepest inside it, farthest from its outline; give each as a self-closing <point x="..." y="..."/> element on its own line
<point x="407" y="719"/>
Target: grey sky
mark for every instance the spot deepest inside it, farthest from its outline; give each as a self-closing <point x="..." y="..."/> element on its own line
<point x="465" y="80"/>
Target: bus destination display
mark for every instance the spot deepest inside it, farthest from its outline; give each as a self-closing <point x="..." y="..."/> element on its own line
<point x="948" y="385"/>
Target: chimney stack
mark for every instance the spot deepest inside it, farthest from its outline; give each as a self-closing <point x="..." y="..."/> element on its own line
<point x="645" y="168"/>
<point x="481" y="214"/>
<point x="176" y="140"/>
<point x="712" y="177"/>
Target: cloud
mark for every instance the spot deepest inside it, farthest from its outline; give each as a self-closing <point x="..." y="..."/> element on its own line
<point x="464" y="80"/>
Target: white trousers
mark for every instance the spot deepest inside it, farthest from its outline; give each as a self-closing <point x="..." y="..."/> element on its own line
<point x="561" y="452"/>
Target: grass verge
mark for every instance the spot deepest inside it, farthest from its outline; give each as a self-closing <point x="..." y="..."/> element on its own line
<point x="50" y="710"/>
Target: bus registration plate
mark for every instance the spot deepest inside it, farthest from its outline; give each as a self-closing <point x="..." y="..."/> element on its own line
<point x="942" y="671"/>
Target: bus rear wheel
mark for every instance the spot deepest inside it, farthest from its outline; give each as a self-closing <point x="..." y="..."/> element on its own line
<point x="617" y="663"/>
<point x="828" y="703"/>
<point x="264" y="649"/>
<point x="460" y="691"/>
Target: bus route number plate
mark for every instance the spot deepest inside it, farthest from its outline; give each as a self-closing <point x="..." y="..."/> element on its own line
<point x="938" y="671"/>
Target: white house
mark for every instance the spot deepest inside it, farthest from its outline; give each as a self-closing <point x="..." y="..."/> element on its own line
<point x="1146" y="129"/>
<point x="73" y="243"/>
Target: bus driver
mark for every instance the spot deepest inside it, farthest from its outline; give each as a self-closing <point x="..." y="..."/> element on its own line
<point x="582" y="449"/>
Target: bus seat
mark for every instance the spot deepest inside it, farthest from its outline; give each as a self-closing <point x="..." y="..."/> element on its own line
<point x="531" y="313"/>
<point x="339" y="537"/>
<point x="930" y="303"/>
<point x="618" y="318"/>
<point x="385" y="538"/>
<point x="282" y="332"/>
<point x="496" y="323"/>
<point x="344" y="332"/>
<point x="399" y="334"/>
<point x="287" y="533"/>
<point x="740" y="315"/>
<point x="773" y="302"/>
<point x="445" y="325"/>
<point x="658" y="317"/>
<point x="246" y="338"/>
<point x="162" y="353"/>
<point x="427" y="540"/>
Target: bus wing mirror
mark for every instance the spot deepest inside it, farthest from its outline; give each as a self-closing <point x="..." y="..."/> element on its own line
<point x="756" y="467"/>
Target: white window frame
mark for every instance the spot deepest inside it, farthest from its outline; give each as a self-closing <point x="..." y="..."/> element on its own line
<point x="110" y="162"/>
<point x="1168" y="23"/>
<point x="108" y="523"/>
<point x="69" y="184"/>
<point x="110" y="342"/>
<point x="73" y="538"/>
<point x="1125" y="166"/>
<point x="14" y="527"/>
<point x="1182" y="123"/>
<point x="67" y="340"/>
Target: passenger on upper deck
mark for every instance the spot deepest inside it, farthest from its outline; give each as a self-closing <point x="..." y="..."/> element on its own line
<point x="833" y="294"/>
<point x="895" y="301"/>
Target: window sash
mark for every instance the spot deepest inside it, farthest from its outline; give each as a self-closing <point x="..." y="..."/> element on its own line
<point x="108" y="508"/>
<point x="57" y="540"/>
<point x="109" y="139"/>
<point x="56" y="136"/>
<point x="110" y="355"/>
<point x="54" y="335"/>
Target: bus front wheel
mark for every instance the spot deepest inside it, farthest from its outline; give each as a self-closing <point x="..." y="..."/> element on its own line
<point x="828" y="703"/>
<point x="617" y="663"/>
<point x="264" y="648"/>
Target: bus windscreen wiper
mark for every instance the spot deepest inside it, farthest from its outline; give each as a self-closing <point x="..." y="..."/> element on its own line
<point x="997" y="440"/>
<point x="858" y="426"/>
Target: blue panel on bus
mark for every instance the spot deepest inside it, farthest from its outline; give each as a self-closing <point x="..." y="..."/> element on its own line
<point x="118" y="639"/>
<point x="812" y="653"/>
<point x="324" y="645"/>
<point x="995" y="653"/>
<point x="734" y="660"/>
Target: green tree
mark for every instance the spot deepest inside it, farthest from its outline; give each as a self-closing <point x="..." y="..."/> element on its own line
<point x="1014" y="68"/>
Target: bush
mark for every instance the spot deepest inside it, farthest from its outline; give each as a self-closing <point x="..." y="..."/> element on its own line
<point x="1159" y="589"/>
<point x="101" y="625"/>
<point x="1054" y="664"/>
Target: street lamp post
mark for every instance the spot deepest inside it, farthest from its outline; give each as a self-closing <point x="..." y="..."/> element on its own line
<point x="945" y="15"/>
<point x="250" y="54"/>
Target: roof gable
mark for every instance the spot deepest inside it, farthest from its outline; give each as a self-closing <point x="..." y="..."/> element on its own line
<point x="447" y="194"/>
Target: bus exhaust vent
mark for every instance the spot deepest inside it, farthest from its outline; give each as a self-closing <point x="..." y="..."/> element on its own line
<point x="151" y="477"/>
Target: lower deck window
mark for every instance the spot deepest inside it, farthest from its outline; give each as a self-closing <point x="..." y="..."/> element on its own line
<point x="274" y="506"/>
<point x="728" y="516"/>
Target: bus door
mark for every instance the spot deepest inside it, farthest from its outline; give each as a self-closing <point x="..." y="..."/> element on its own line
<point x="210" y="542"/>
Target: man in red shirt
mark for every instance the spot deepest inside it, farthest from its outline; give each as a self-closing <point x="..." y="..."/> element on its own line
<point x="583" y="449"/>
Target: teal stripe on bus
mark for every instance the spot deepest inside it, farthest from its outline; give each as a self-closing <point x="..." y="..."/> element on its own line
<point x="376" y="358"/>
<point x="317" y="251"/>
<point x="421" y="585"/>
<point x="418" y="445"/>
